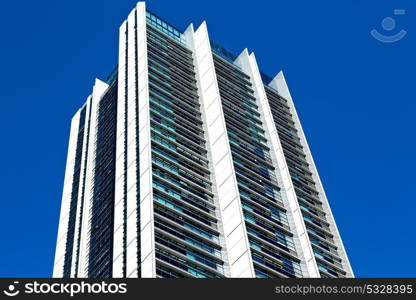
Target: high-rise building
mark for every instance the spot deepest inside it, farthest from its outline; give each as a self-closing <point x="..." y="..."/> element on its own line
<point x="190" y="162"/>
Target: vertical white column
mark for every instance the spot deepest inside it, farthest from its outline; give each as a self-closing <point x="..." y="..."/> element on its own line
<point x="279" y="83"/>
<point x="189" y="36"/>
<point x="81" y="188"/>
<point x="66" y="198"/>
<point x="235" y="235"/>
<point x="132" y="184"/>
<point x="120" y="178"/>
<point x="131" y="179"/>
<point x="98" y="91"/>
<point x="303" y="247"/>
<point x="147" y="239"/>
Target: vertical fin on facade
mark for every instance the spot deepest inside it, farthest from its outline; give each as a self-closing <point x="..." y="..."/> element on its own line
<point x="279" y="84"/>
<point x="249" y="65"/>
<point x="60" y="251"/>
<point x="81" y="191"/>
<point x="147" y="228"/>
<point x="98" y="91"/>
<point x="119" y="240"/>
<point x="235" y="235"/>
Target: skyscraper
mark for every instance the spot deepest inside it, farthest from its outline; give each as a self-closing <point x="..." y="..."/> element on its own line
<point x="190" y="162"/>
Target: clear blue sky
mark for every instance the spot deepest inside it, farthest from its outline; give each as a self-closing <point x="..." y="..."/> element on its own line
<point x="353" y="94"/>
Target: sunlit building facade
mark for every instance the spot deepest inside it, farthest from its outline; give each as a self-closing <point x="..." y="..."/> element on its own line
<point x="188" y="161"/>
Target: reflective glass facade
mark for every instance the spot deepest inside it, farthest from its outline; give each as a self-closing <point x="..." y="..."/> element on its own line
<point x="272" y="248"/>
<point x="186" y="231"/>
<point x="102" y="208"/>
<point x="318" y="228"/>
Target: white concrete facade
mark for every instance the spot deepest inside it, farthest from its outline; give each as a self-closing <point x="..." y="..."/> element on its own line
<point x="147" y="240"/>
<point x="81" y="190"/>
<point x="98" y="91"/>
<point x="236" y="241"/>
<point x="121" y="157"/>
<point x="133" y="94"/>
<point x="87" y="166"/>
